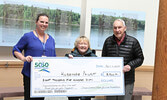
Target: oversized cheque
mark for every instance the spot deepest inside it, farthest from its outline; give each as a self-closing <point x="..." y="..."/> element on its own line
<point x="81" y="76"/>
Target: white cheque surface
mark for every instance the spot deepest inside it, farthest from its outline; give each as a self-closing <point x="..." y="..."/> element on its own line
<point x="81" y="76"/>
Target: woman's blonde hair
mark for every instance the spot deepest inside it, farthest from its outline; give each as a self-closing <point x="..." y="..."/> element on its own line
<point x="79" y="39"/>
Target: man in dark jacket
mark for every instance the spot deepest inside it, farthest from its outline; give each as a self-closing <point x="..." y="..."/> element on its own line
<point x="123" y="45"/>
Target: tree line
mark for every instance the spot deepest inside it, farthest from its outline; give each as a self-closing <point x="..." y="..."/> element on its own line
<point x="104" y="21"/>
<point x="58" y="16"/>
<point x="26" y="13"/>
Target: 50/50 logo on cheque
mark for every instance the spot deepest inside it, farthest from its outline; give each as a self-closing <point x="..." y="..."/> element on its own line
<point x="42" y="66"/>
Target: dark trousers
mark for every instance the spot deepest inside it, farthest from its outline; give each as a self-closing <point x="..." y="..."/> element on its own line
<point x="26" y="81"/>
<point x="79" y="98"/>
<point x="127" y="96"/>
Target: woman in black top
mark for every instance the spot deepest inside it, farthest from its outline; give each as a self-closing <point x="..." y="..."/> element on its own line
<point x="82" y="49"/>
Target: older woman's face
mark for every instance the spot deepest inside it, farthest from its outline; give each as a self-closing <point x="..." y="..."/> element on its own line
<point x="82" y="46"/>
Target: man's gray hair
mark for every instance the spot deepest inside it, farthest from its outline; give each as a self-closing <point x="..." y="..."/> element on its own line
<point x="123" y="22"/>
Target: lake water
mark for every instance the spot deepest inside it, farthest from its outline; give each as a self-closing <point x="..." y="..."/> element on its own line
<point x="98" y="36"/>
<point x="12" y="30"/>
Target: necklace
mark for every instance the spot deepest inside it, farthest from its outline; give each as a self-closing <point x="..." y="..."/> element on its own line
<point x="43" y="43"/>
<point x="38" y="36"/>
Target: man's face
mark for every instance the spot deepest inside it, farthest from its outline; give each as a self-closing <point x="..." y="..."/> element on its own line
<point x="119" y="29"/>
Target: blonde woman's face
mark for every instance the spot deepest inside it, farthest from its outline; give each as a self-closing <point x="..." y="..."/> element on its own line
<point x="82" y="46"/>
